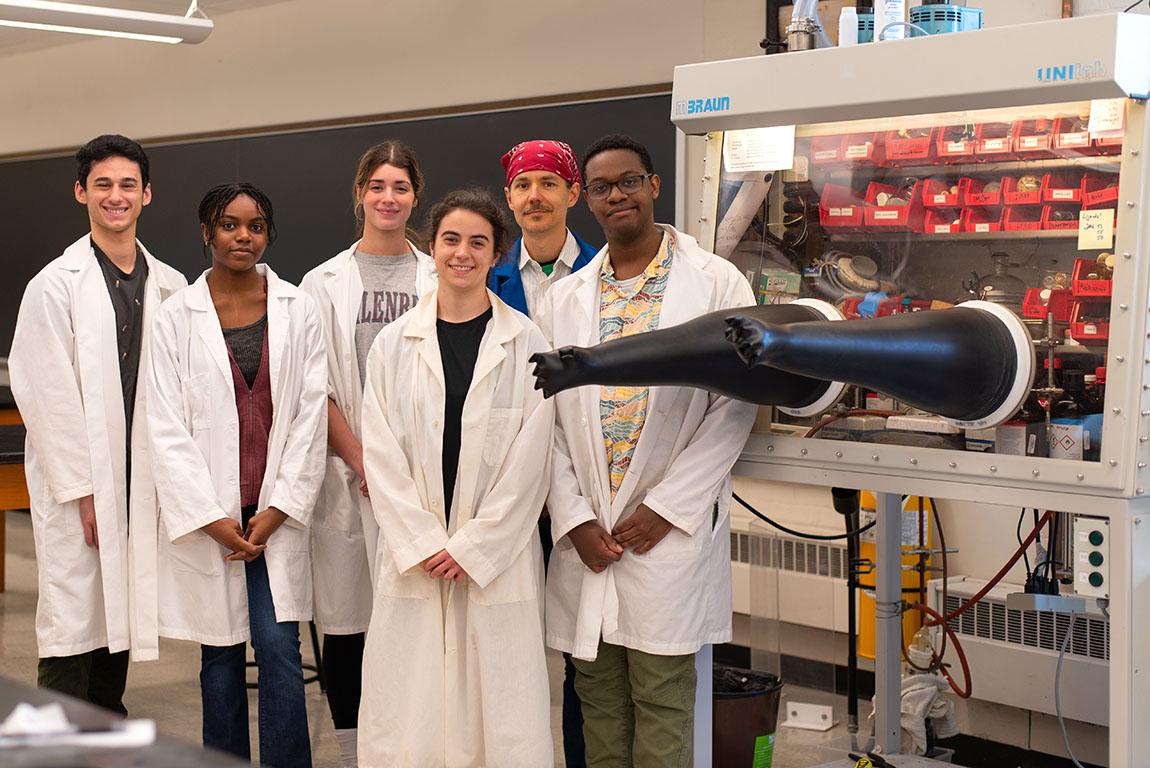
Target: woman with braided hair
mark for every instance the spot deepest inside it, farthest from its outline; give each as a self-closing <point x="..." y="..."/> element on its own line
<point x="237" y="403"/>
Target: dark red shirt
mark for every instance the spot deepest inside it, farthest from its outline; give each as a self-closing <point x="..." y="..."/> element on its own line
<point x="254" y="405"/>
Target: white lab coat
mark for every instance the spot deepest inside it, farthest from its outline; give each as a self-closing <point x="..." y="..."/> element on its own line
<point x="343" y="529"/>
<point x="454" y="675"/>
<point x="65" y="377"/>
<point x="194" y="428"/>
<point x="677" y="597"/>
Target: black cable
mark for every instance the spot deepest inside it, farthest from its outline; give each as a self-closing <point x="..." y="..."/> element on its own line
<point x="815" y="536"/>
<point x="1050" y="546"/>
<point x="1131" y="6"/>
<point x="1018" y="535"/>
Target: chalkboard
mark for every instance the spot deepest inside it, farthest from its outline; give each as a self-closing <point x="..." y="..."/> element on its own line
<point x="308" y="176"/>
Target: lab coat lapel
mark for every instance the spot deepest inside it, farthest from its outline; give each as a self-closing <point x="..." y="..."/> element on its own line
<point x="278" y="330"/>
<point x="344" y="286"/>
<point x="422" y="327"/>
<point x="491" y="351"/>
<point x="586" y="309"/>
<point x="199" y="299"/>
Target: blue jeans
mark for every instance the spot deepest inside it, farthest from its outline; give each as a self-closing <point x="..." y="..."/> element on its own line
<point x="283" y="725"/>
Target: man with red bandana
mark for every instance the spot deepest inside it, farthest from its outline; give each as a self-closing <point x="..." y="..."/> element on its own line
<point x="542" y="183"/>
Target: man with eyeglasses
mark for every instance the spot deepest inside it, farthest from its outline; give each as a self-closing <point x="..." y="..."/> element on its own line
<point x="542" y="184"/>
<point x="640" y="578"/>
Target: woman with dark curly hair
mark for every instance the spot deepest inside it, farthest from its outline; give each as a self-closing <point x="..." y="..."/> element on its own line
<point x="456" y="451"/>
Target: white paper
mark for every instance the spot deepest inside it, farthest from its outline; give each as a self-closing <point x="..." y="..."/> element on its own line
<point x="760" y="149"/>
<point x="1096" y="229"/>
<point x="738" y="217"/>
<point x="1107" y="117"/>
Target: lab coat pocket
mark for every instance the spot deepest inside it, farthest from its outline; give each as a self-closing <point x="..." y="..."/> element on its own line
<point x="677" y="545"/>
<point x="414" y="585"/>
<point x="70" y="511"/>
<point x="517" y="584"/>
<point x="337" y="507"/>
<point x="197" y="395"/>
<point x="502" y="427"/>
<point x="197" y="553"/>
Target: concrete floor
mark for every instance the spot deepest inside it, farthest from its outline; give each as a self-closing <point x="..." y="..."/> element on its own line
<point x="168" y="690"/>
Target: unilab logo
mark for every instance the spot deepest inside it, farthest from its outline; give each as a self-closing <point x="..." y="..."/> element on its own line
<point x="698" y="106"/>
<point x="1071" y="72"/>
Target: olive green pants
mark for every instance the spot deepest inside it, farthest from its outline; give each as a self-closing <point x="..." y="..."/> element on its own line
<point x="638" y="708"/>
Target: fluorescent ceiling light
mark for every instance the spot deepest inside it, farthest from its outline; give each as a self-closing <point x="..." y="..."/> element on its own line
<point x="104" y="22"/>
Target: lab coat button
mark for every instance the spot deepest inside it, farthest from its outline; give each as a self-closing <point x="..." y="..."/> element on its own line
<point x="435" y="425"/>
<point x="583" y="422"/>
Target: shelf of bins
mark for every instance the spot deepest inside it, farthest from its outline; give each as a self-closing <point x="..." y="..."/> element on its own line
<point x="1052" y="234"/>
<point x="1105" y="163"/>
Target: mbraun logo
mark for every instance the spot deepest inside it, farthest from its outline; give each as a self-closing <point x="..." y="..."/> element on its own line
<point x="1054" y="74"/>
<point x="699" y="106"/>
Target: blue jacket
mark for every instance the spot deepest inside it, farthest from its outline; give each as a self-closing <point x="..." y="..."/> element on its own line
<point x="506" y="282"/>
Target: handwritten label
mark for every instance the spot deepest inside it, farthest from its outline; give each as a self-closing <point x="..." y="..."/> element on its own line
<point x="994" y="144"/>
<point x="1107" y="117"/>
<point x="1027" y="142"/>
<point x="956" y="147"/>
<point x="1096" y="229"/>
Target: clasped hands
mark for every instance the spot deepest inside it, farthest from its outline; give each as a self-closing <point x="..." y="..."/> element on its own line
<point x="246" y="544"/>
<point x="639" y="532"/>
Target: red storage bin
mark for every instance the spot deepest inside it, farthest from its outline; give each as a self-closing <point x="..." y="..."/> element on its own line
<point x="1012" y="196"/>
<point x="1108" y="145"/>
<point x="942" y="221"/>
<point x="841" y="207"/>
<point x="1033" y="139"/>
<point x="937" y="194"/>
<point x="982" y="220"/>
<point x="1062" y="188"/>
<point x="1056" y="301"/>
<point x="1024" y="219"/>
<point x="971" y="192"/>
<point x="863" y="149"/>
<point x="1099" y="190"/>
<point x="1088" y="289"/>
<point x="827" y="150"/>
<point x="901" y="150"/>
<point x="994" y="141"/>
<point x="1049" y="221"/>
<point x="1071" y="138"/>
<point x="955" y="144"/>
<point x="898" y="217"/>
<point x="1090" y="322"/>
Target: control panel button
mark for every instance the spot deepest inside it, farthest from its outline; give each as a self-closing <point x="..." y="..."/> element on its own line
<point x="1096" y="538"/>
<point x="1096" y="559"/>
<point x="1096" y="579"/>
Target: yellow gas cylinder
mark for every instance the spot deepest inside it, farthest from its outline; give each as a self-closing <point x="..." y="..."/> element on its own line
<point x="916" y="534"/>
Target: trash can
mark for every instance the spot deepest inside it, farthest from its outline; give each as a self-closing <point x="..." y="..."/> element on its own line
<point x="746" y="712"/>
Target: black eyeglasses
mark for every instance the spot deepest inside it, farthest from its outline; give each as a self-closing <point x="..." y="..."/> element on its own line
<point x="628" y="185"/>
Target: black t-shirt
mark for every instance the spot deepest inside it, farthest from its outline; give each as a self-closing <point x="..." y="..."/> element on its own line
<point x="127" y="294"/>
<point x="458" y="350"/>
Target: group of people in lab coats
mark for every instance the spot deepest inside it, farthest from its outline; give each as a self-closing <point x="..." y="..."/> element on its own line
<point x="220" y="461"/>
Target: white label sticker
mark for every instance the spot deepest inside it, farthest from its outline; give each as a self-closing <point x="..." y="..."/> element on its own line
<point x="994" y="143"/>
<point x="1027" y="142"/>
<point x="981" y="227"/>
<point x="760" y="149"/>
<point x="1090" y="329"/>
<point x="941" y="228"/>
<point x="858" y="150"/>
<point x="841" y="211"/>
<point x="827" y="154"/>
<point x="885" y="215"/>
<point x="1096" y="229"/>
<point x="1062" y="194"/>
<point x="940" y="198"/>
<point x="1107" y="117"/>
<point x="956" y="146"/>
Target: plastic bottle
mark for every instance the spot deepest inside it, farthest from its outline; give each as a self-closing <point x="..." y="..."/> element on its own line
<point x="1070" y="436"/>
<point x="848" y="27"/>
<point x="886" y="11"/>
